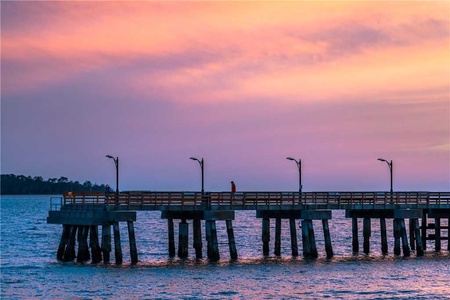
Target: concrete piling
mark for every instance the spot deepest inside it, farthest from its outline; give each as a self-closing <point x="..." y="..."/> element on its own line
<point x="397" y="236"/>
<point x="132" y="240"/>
<point x="69" y="254"/>
<point x="366" y="234"/>
<point x="183" y="241"/>
<point x="384" y="242"/>
<point x="106" y="243"/>
<point x="171" y="237"/>
<point x="277" y="250"/>
<point x="355" y="242"/>
<point x="63" y="242"/>
<point x="265" y="235"/>
<point x="215" y="244"/>
<point x="231" y="240"/>
<point x="293" y="230"/>
<point x="197" y="227"/>
<point x="405" y="246"/>
<point x="306" y="240"/>
<point x="327" y="238"/>
<point x="94" y="244"/>
<point x="437" y="234"/>
<point x="418" y="239"/>
<point x="312" y="238"/>
<point x="117" y="243"/>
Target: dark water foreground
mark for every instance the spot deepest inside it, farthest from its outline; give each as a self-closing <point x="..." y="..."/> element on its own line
<point x="29" y="268"/>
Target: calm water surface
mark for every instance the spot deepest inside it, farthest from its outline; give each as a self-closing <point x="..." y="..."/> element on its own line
<point x="29" y="268"/>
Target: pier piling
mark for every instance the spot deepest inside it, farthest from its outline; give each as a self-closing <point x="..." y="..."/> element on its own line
<point x="231" y="240"/>
<point x="132" y="239"/>
<point x="367" y="232"/>
<point x="265" y="235"/>
<point x="306" y="242"/>
<point x="418" y="239"/>
<point x="355" y="242"/>
<point x="183" y="241"/>
<point x="63" y="242"/>
<point x="95" y="246"/>
<point x="117" y="243"/>
<point x="405" y="246"/>
<point x="171" y="237"/>
<point x="437" y="234"/>
<point x="293" y="230"/>
<point x="277" y="250"/>
<point x="106" y="243"/>
<point x="69" y="254"/>
<point x="197" y="227"/>
<point x="327" y="238"/>
<point x="397" y="236"/>
<point x="384" y="242"/>
<point x="214" y="242"/>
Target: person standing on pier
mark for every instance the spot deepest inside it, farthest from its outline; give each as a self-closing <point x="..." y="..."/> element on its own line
<point x="233" y="191"/>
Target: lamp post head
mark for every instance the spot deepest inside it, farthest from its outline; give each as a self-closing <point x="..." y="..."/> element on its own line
<point x="109" y="156"/>
<point x="382" y="159"/>
<point x="289" y="158"/>
<point x="193" y="158"/>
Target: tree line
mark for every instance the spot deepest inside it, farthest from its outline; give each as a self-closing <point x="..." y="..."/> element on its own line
<point x="25" y="185"/>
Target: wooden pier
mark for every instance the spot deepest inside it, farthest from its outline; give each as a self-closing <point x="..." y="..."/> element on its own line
<point x="81" y="214"/>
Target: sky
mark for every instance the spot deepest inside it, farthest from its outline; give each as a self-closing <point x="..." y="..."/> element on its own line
<point x="242" y="85"/>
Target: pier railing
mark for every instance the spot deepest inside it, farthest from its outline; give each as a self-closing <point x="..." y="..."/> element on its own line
<point x="248" y="200"/>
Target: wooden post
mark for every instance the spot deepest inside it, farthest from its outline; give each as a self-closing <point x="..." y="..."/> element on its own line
<point x="215" y="243"/>
<point x="69" y="254"/>
<point x="63" y="242"/>
<point x="327" y="238"/>
<point x="405" y="246"/>
<point x="419" y="251"/>
<point x="384" y="242"/>
<point x="95" y="246"/>
<point x="437" y="231"/>
<point x="106" y="243"/>
<point x="197" y="224"/>
<point x="117" y="244"/>
<point x="294" y="245"/>
<point x="83" y="249"/>
<point x="265" y="235"/>
<point x="412" y="238"/>
<point x="171" y="232"/>
<point x="397" y="235"/>
<point x="183" y="241"/>
<point x="133" y="248"/>
<point x="312" y="240"/>
<point x="277" y="250"/>
<point x="355" y="243"/>
<point x="424" y="230"/>
<point x="366" y="234"/>
<point x="210" y="249"/>
<point x="231" y="241"/>
<point x="305" y="239"/>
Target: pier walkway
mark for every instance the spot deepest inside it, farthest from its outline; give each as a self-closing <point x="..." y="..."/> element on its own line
<point x="84" y="212"/>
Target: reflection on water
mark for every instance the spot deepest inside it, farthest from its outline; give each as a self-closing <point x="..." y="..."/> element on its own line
<point x="29" y="268"/>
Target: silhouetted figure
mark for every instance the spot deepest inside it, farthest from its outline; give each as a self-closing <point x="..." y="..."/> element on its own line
<point x="233" y="191"/>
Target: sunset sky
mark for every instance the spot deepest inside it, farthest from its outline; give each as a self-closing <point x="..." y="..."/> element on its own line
<point x="241" y="84"/>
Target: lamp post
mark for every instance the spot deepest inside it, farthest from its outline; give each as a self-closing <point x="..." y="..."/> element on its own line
<point x="116" y="162"/>
<point x="390" y="169"/>
<point x="299" y="166"/>
<point x="201" y="162"/>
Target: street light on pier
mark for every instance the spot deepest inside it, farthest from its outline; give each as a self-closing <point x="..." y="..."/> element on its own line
<point x="201" y="162"/>
<point x="299" y="166"/>
<point x="390" y="169"/>
<point x="116" y="162"/>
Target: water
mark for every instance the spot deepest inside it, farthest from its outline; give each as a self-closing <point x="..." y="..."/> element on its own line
<point x="29" y="268"/>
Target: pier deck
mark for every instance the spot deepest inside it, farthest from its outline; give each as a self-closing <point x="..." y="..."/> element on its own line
<point x="84" y="212"/>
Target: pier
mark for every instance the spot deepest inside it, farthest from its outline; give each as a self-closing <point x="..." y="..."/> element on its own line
<point x="81" y="215"/>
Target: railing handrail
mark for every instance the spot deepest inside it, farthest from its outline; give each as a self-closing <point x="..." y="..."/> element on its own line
<point x="253" y="198"/>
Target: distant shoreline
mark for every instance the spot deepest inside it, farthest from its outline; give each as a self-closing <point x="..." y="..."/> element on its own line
<point x="12" y="184"/>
